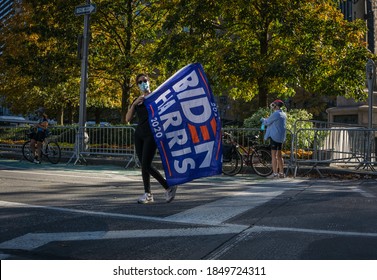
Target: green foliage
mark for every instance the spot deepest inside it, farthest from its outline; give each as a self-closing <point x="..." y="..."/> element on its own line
<point x="125" y="34"/>
<point x="251" y="50"/>
<point x="329" y="52"/>
<point x="295" y="115"/>
<point x="254" y="49"/>
<point x="254" y="120"/>
<point x="39" y="56"/>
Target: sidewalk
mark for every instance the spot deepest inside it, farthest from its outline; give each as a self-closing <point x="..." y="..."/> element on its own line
<point x="304" y="171"/>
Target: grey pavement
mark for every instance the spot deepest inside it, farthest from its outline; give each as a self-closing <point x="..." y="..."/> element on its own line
<point x="90" y="212"/>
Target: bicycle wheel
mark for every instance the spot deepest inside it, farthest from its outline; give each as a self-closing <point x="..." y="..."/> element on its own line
<point x="232" y="163"/>
<point x="52" y="152"/>
<point x="261" y="162"/>
<point x="26" y="152"/>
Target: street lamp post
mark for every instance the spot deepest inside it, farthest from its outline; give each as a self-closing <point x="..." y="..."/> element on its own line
<point x="84" y="10"/>
<point x="371" y="77"/>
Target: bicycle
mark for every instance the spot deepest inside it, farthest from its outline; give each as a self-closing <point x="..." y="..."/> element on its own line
<point x="50" y="149"/>
<point x="232" y="158"/>
<point x="235" y="156"/>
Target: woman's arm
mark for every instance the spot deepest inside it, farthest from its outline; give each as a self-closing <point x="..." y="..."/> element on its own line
<point x="270" y="119"/>
<point x="131" y="109"/>
<point x="130" y="112"/>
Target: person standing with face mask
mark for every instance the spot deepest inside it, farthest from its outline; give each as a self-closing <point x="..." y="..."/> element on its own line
<point x="276" y="132"/>
<point x="145" y="144"/>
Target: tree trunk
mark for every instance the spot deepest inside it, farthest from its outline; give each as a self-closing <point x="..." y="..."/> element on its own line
<point x="70" y="114"/>
<point x="97" y="115"/>
<point x="263" y="93"/>
<point x="60" y="116"/>
<point x="126" y="88"/>
<point x="262" y="80"/>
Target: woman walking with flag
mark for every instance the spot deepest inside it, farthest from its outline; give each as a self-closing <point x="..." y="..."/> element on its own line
<point x="145" y="144"/>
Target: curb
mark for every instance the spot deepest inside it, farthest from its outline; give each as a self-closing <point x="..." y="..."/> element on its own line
<point x="303" y="171"/>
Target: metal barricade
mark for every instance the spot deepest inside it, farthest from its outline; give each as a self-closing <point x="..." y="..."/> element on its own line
<point x="65" y="136"/>
<point x="108" y="141"/>
<point x="13" y="138"/>
<point x="347" y="147"/>
<point x="314" y="144"/>
<point x="242" y="135"/>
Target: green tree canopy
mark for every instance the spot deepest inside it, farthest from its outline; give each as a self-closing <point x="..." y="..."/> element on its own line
<point x="39" y="57"/>
<point x="251" y="50"/>
<point x="124" y="37"/>
<point x="267" y="48"/>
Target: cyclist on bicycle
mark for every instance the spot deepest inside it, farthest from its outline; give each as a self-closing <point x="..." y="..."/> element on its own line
<point x="38" y="134"/>
<point x="276" y="132"/>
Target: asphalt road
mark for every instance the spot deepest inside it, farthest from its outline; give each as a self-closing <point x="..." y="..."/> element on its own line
<point x="70" y="212"/>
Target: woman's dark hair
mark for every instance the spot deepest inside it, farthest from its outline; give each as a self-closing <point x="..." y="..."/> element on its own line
<point x="140" y="75"/>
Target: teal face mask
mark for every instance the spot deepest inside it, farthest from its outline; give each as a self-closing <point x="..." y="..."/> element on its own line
<point x="144" y="86"/>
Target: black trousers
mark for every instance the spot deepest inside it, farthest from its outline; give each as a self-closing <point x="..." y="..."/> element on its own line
<point x="146" y="149"/>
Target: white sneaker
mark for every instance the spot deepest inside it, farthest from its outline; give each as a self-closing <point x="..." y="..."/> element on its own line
<point x="170" y="193"/>
<point x="37" y="161"/>
<point x="145" y="198"/>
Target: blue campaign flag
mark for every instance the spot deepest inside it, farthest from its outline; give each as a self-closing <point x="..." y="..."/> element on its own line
<point x="186" y="125"/>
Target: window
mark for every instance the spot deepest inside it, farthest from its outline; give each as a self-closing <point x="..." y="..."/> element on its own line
<point x="350" y="119"/>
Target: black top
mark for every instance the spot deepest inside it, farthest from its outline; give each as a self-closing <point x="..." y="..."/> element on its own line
<point x="143" y="123"/>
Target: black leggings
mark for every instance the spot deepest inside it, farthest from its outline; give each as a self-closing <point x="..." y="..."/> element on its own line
<point x="146" y="149"/>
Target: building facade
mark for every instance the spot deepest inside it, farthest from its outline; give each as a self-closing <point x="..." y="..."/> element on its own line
<point x="6" y="9"/>
<point x="362" y="9"/>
